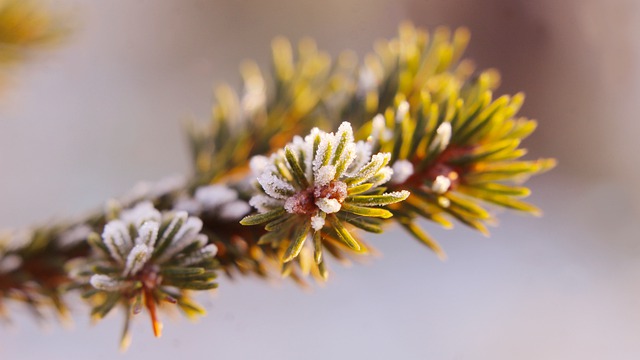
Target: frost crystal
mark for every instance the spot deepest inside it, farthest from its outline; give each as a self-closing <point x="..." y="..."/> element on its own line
<point x="382" y="177"/>
<point x="403" y="110"/>
<point x="167" y="185"/>
<point x="188" y="204"/>
<point x="258" y="163"/>
<point x="402" y="170"/>
<point x="274" y="185"/>
<point x="442" y="138"/>
<point x="217" y="200"/>
<point x="379" y="130"/>
<point x="264" y="203"/>
<point x="117" y="239"/>
<point x="441" y="184"/>
<point x="147" y="189"/>
<point x="367" y="81"/>
<point x="187" y="235"/>
<point x="213" y="196"/>
<point x="148" y="233"/>
<point x="329" y="206"/>
<point x="234" y="211"/>
<point x="317" y="222"/>
<point x="138" y="256"/>
<point x="9" y="263"/>
<point x="74" y="235"/>
<point x="254" y="97"/>
<point x="140" y="213"/>
<point x="106" y="282"/>
<point x="14" y="240"/>
<point x="325" y="174"/>
<point x="205" y="253"/>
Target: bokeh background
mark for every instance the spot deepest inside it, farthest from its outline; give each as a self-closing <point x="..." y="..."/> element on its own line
<point x="87" y="120"/>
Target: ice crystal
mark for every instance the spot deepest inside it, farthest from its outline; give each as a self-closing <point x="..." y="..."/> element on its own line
<point x="442" y="138"/>
<point x="9" y="263"/>
<point x="213" y="196"/>
<point x="367" y="81"/>
<point x="220" y="201"/>
<point x="441" y="184"/>
<point x="74" y="235"/>
<point x="403" y="110"/>
<point x="402" y="170"/>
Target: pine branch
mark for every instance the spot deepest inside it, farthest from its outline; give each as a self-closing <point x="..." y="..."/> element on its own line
<point x="418" y="134"/>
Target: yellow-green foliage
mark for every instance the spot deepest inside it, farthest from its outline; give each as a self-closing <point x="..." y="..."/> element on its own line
<point x="25" y="26"/>
<point x="419" y="134"/>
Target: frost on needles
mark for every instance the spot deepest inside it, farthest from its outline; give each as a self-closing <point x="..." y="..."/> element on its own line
<point x="419" y="135"/>
<point x="308" y="190"/>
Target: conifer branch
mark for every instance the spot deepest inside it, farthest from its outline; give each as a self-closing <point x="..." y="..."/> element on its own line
<point x="289" y="172"/>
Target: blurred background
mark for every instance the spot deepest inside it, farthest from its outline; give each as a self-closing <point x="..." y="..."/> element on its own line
<point x="87" y="120"/>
